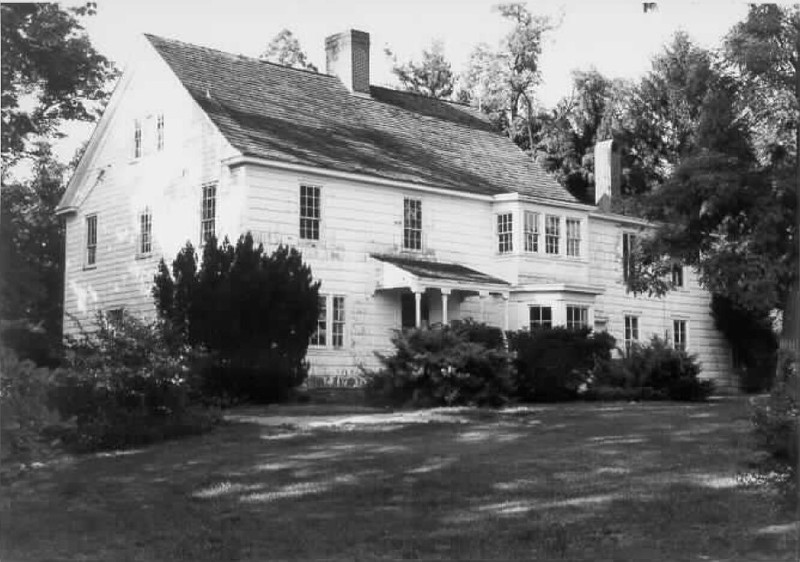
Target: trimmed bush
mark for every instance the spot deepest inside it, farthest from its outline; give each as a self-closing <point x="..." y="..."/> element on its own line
<point x="463" y="364"/>
<point x="127" y="384"/>
<point x="651" y="372"/>
<point x="254" y="312"/>
<point x="555" y="364"/>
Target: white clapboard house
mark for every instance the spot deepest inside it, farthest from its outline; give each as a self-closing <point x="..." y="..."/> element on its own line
<point x="410" y="210"/>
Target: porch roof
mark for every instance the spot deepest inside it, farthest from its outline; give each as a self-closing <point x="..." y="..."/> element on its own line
<point x="401" y="272"/>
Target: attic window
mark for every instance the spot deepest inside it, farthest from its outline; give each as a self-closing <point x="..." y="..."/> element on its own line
<point x="91" y="240"/>
<point x="137" y="138"/>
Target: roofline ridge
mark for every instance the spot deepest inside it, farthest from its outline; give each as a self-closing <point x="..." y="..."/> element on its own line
<point x="237" y="55"/>
<point x="425" y="96"/>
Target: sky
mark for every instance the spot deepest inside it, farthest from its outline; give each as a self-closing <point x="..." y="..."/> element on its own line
<point x="614" y="36"/>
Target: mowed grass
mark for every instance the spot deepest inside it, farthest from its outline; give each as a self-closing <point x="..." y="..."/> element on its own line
<point x="571" y="481"/>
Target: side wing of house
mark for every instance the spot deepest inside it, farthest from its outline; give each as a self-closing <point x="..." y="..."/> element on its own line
<point x="151" y="173"/>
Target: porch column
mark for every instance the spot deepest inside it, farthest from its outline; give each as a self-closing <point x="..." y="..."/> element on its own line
<point x="418" y="308"/>
<point x="445" y="294"/>
<point x="505" y="312"/>
<point x="482" y="296"/>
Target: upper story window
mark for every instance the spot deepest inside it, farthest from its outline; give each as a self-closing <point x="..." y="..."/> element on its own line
<point x="679" y="334"/>
<point x="629" y="242"/>
<point x="505" y="233"/>
<point x="631" y="332"/>
<point x="137" y="138"/>
<point x="412" y="224"/>
<point x="552" y="234"/>
<point x="309" y="212"/>
<point x="531" y="231"/>
<point x="577" y="317"/>
<point x="677" y="275"/>
<point x="573" y="237"/>
<point x="160" y="132"/>
<point x="208" y="212"/>
<point x="540" y="317"/>
<point x="145" y="232"/>
<point x="91" y="240"/>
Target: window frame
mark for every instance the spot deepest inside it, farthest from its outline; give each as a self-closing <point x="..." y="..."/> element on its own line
<point x="629" y="243"/>
<point x="505" y="233"/>
<point x="583" y="318"/>
<point x="552" y="239"/>
<point x="145" y="234"/>
<point x="531" y="231"/>
<point x="160" y="124"/>
<point x="573" y="248"/>
<point x="683" y="344"/>
<point x="412" y="224"/>
<point x="541" y="322"/>
<point x="208" y="200"/>
<point x="137" y="139"/>
<point x="310" y="225"/>
<point x="678" y="269"/>
<point x="631" y="333"/>
<point x="331" y="330"/>
<point x="91" y="237"/>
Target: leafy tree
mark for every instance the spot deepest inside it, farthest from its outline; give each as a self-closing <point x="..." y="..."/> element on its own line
<point x="31" y="254"/>
<point x="432" y="76"/>
<point x="255" y="312"/>
<point x="285" y="49"/>
<point x="50" y="73"/>
<point x="502" y="81"/>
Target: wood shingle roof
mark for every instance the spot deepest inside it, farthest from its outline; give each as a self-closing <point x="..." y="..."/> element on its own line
<point x="300" y="117"/>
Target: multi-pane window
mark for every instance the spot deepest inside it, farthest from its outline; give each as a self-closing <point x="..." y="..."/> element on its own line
<point x="531" y="231"/>
<point x="573" y="237"/>
<point x="137" y="138"/>
<point x="145" y="232"/>
<point x="160" y="132"/>
<point x="412" y="224"/>
<point x="677" y="275"/>
<point x="331" y="320"/>
<point x="208" y="212"/>
<point x="320" y="335"/>
<point x="628" y="257"/>
<point x="337" y="322"/>
<point x="540" y="317"/>
<point x="577" y="317"/>
<point x="505" y="233"/>
<point x="552" y="234"/>
<point x="309" y="212"/>
<point x="679" y="334"/>
<point x="91" y="240"/>
<point x="631" y="332"/>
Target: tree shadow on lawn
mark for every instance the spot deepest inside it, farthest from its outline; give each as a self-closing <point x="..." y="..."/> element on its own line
<point x="574" y="484"/>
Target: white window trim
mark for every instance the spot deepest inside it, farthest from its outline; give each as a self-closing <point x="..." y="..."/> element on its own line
<point x="328" y="345"/>
<point x="687" y="341"/>
<point x="510" y="233"/>
<point x="634" y="337"/>
<point x="215" y="218"/>
<point x="538" y="305"/>
<point x="537" y="231"/>
<point x="139" y="253"/>
<point x="581" y="239"/>
<point x="421" y="225"/>
<point x="86" y="264"/>
<point x="320" y="219"/>
<point x="560" y="239"/>
<point x="585" y="306"/>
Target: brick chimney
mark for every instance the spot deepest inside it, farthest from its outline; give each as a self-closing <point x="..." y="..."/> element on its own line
<point x="347" y="57"/>
<point x="607" y="173"/>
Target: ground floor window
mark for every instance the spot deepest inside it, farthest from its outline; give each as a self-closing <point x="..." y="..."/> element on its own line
<point x="540" y="317"/>
<point x="631" y="332"/>
<point x="331" y="321"/>
<point x="577" y="317"/>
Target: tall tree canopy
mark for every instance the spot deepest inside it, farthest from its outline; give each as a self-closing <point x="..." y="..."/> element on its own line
<point x="502" y="81"/>
<point x="50" y="73"/>
<point x="432" y="76"/>
<point x="285" y="49"/>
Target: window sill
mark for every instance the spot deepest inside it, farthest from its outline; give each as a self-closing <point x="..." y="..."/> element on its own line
<point x="325" y="349"/>
<point x="89" y="267"/>
<point x="144" y="256"/>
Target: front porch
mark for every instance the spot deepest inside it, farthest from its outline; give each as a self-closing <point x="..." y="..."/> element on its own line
<point x="431" y="292"/>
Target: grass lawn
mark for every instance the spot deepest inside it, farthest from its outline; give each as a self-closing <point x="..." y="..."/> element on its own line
<point x="572" y="481"/>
